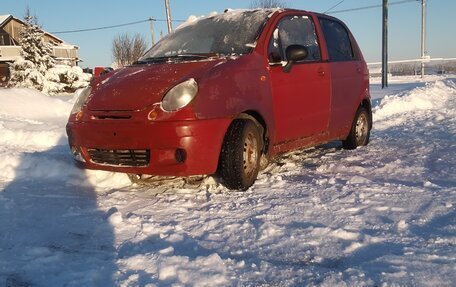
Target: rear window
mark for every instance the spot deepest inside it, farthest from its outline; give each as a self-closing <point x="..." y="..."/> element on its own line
<point x="338" y="41"/>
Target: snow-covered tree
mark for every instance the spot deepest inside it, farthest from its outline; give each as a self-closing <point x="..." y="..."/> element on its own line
<point x="65" y="79"/>
<point x="34" y="48"/>
<point x="36" y="59"/>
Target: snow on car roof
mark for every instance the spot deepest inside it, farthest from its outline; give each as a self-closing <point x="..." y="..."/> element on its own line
<point x="227" y="15"/>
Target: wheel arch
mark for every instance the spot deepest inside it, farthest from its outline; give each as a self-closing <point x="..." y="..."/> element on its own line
<point x="261" y="123"/>
<point x="365" y="103"/>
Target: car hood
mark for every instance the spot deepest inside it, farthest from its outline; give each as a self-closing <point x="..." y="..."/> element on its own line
<point x="136" y="87"/>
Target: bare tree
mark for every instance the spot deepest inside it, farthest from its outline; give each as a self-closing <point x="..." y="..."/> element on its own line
<point x="127" y="49"/>
<point x="402" y="69"/>
<point x="267" y="3"/>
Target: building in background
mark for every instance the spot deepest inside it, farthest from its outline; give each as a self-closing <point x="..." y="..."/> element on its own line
<point x="10" y="49"/>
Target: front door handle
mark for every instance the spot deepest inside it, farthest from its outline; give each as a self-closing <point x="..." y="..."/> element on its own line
<point x="321" y="72"/>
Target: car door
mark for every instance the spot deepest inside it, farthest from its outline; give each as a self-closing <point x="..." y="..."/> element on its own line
<point x="302" y="96"/>
<point x="347" y="79"/>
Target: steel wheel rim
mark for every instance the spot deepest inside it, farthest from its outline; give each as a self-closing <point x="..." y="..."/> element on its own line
<point x="361" y="129"/>
<point x="250" y="154"/>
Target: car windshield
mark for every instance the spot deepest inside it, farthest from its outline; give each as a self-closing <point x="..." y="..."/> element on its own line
<point x="233" y="32"/>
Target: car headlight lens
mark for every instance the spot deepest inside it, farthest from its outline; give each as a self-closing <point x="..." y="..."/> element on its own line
<point x="82" y="98"/>
<point x="180" y="96"/>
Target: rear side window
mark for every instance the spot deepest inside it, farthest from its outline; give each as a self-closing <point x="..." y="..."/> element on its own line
<point x="338" y="41"/>
<point x="294" y="30"/>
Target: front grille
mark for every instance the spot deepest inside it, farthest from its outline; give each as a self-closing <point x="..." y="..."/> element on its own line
<point x="124" y="157"/>
<point x="110" y="117"/>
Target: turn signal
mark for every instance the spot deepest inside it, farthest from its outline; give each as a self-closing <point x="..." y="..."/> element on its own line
<point x="152" y="116"/>
<point x="79" y="115"/>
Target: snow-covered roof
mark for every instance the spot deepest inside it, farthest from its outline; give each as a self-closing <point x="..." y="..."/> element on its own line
<point x="4" y="18"/>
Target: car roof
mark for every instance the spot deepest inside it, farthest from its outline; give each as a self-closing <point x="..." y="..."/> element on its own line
<point x="286" y="10"/>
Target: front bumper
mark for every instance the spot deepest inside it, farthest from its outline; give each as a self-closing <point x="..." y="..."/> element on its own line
<point x="175" y="148"/>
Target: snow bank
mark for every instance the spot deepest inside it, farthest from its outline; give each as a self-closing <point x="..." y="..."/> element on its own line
<point x="33" y="141"/>
<point x="398" y="109"/>
<point x="32" y="105"/>
<point x="30" y="118"/>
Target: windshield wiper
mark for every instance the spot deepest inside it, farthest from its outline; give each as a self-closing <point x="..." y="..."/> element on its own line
<point x="151" y="60"/>
<point x="177" y="56"/>
<point x="198" y="55"/>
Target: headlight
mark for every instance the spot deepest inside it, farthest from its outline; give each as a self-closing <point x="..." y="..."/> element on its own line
<point x="82" y="98"/>
<point x="180" y="96"/>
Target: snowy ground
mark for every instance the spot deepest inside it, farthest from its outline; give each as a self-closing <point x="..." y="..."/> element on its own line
<point x="384" y="214"/>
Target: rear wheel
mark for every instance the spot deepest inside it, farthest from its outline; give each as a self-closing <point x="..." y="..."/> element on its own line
<point x="239" y="162"/>
<point x="360" y="130"/>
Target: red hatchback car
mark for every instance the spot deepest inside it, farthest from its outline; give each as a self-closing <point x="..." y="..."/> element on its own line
<point x="219" y="95"/>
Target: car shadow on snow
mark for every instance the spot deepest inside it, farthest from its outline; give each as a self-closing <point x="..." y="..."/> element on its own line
<point x="52" y="233"/>
<point x="187" y="247"/>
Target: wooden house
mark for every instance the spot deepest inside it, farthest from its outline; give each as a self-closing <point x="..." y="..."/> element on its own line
<point x="10" y="49"/>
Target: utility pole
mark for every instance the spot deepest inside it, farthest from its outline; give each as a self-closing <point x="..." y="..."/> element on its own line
<point x="385" y="45"/>
<point x="423" y="35"/>
<point x="152" y="30"/>
<point x="168" y="16"/>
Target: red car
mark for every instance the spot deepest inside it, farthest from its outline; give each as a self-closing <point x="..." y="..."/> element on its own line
<point x="219" y="95"/>
<point x="100" y="71"/>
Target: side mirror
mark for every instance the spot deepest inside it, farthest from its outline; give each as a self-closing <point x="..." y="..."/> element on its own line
<point x="295" y="53"/>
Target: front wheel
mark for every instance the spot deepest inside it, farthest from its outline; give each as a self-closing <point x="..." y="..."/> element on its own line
<point x="360" y="130"/>
<point x="239" y="162"/>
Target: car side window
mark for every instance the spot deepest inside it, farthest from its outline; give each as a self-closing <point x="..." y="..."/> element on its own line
<point x="294" y="30"/>
<point x="338" y="41"/>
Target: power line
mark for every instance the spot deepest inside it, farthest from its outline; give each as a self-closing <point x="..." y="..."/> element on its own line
<point x="181" y="21"/>
<point x="371" y="7"/>
<point x="114" y="26"/>
<point x="334" y="6"/>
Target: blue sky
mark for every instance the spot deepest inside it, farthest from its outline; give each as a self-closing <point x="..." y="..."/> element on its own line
<point x="95" y="47"/>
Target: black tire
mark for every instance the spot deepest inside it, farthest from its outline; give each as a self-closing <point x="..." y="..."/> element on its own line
<point x="360" y="130"/>
<point x="239" y="161"/>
